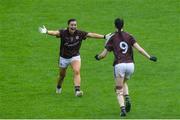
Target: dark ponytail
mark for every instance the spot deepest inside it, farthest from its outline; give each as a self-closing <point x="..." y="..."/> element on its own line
<point x="119" y="23"/>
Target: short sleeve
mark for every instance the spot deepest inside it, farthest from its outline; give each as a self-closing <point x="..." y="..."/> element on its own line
<point x="132" y="40"/>
<point x="109" y="45"/>
<point x="83" y="35"/>
<point x="60" y="32"/>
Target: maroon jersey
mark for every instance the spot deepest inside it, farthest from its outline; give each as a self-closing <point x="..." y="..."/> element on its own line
<point x="121" y="45"/>
<point x="71" y="43"/>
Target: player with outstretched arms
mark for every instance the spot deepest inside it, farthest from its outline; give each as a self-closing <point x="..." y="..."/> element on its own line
<point x="122" y="44"/>
<point x="71" y="39"/>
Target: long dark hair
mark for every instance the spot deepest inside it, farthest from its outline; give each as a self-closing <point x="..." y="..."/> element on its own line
<point x="119" y="23"/>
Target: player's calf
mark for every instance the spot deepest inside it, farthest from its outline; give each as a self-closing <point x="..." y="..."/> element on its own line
<point x="120" y="97"/>
<point x="127" y="103"/>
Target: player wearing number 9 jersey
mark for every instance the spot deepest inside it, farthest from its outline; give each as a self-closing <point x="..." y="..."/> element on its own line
<point x="122" y="43"/>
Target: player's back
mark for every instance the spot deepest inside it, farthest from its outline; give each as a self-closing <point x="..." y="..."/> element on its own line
<point x="122" y="47"/>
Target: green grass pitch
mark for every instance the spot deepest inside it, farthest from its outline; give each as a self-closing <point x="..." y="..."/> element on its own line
<point x="29" y="60"/>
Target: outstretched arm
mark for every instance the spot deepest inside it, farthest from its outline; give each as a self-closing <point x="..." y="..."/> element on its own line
<point x="101" y="55"/>
<point x="143" y="52"/>
<point x="95" y="35"/>
<point x="44" y="30"/>
<point x="53" y="33"/>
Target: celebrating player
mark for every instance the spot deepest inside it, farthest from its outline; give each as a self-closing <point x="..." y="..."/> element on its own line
<point x="71" y="39"/>
<point x="122" y="43"/>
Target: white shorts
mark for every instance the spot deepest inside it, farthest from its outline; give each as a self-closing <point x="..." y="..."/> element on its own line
<point x="124" y="70"/>
<point x="63" y="62"/>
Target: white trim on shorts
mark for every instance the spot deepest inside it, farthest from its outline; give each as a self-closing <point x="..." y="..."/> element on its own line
<point x="124" y="70"/>
<point x="64" y="62"/>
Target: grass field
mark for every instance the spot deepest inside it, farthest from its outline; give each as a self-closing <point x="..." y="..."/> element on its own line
<point x="29" y="60"/>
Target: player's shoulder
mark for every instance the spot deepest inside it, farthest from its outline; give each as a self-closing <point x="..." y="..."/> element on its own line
<point x="127" y="34"/>
<point x="63" y="29"/>
<point x="130" y="37"/>
<point x="81" y="31"/>
<point x="112" y="34"/>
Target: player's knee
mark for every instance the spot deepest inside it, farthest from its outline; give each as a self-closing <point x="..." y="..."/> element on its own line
<point x="76" y="72"/>
<point x="119" y="90"/>
<point x="62" y="74"/>
<point x="119" y="87"/>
